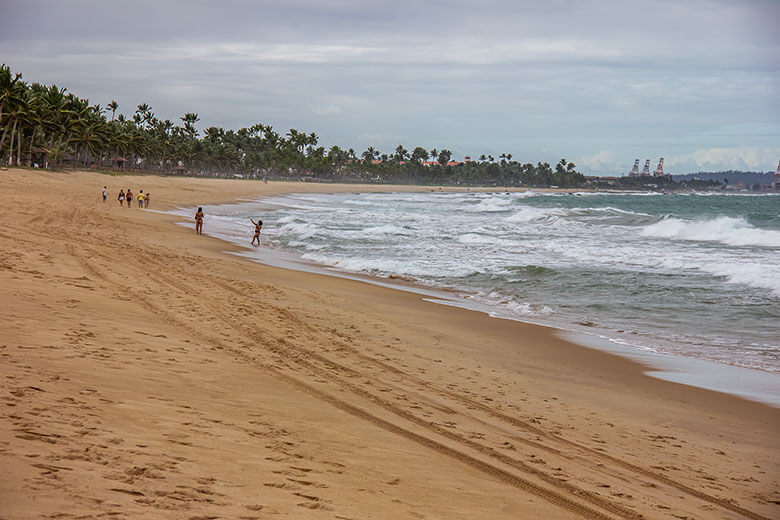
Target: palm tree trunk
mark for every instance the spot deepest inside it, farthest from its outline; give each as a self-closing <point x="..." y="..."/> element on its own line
<point x="5" y="132"/>
<point x="59" y="145"/>
<point x="11" y="146"/>
<point x="19" y="148"/>
<point x="32" y="140"/>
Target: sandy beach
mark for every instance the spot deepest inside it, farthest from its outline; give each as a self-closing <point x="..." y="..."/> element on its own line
<point x="147" y="374"/>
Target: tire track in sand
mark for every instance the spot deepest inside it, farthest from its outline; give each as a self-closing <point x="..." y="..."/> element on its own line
<point x="511" y="420"/>
<point x="483" y="466"/>
<point x="555" y="497"/>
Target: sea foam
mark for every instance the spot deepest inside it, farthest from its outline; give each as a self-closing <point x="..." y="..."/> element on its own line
<point x="726" y="230"/>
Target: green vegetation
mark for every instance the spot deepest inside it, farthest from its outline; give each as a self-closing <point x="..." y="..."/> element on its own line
<point x="50" y="127"/>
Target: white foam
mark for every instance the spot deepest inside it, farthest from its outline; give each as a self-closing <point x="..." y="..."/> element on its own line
<point x="726" y="230"/>
<point x="301" y="231"/>
<point x="490" y="205"/>
<point x="487" y="240"/>
<point x="386" y="229"/>
<point x="388" y="267"/>
<point x="606" y="209"/>
<point x="531" y="213"/>
<point x="502" y="306"/>
<point x="747" y="273"/>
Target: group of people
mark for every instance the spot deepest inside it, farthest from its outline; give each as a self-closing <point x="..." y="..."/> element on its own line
<point x="143" y="202"/>
<point x="143" y="198"/>
<point x="199" y="226"/>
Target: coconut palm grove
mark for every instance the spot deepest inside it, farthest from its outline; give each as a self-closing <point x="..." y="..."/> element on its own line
<point x="47" y="126"/>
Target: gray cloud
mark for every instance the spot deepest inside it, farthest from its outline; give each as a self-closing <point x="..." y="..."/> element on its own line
<point x="599" y="81"/>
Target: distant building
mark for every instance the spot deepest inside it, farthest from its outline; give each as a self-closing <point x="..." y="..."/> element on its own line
<point x="434" y="163"/>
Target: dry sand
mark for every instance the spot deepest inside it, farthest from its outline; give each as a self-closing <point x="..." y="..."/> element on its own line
<point x="146" y="374"/>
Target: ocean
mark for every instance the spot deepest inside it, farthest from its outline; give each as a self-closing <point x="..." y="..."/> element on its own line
<point x="690" y="275"/>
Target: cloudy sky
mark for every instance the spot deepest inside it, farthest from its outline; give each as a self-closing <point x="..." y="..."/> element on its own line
<point x="598" y="82"/>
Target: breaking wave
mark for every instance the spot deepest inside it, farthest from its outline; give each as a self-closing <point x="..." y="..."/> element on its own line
<point x="726" y="230"/>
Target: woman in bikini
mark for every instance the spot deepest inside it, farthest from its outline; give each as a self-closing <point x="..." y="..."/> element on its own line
<point x="199" y="221"/>
<point x="121" y="197"/>
<point x="258" y="227"/>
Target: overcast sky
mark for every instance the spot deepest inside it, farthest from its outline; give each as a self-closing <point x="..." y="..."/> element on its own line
<point x="598" y="82"/>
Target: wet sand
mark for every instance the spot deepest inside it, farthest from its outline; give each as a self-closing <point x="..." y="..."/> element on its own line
<point x="146" y="374"/>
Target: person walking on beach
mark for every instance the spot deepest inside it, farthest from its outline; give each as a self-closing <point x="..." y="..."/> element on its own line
<point x="129" y="197"/>
<point x="258" y="227"/>
<point x="105" y="193"/>
<point x="121" y="197"/>
<point x="141" y="199"/>
<point x="199" y="221"/>
<point x="146" y="200"/>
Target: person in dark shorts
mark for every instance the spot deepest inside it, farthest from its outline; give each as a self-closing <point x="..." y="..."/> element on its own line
<point x="105" y="193"/>
<point x="129" y="198"/>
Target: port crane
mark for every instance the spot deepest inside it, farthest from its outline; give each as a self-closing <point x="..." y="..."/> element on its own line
<point x="659" y="171"/>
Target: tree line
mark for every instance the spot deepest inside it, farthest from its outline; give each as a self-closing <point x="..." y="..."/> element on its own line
<point x="47" y="126"/>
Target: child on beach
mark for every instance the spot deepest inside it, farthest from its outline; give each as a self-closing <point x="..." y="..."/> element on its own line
<point x="146" y="200"/>
<point x="141" y="199"/>
<point x="199" y="221"/>
<point x="129" y="197"/>
<point x="258" y="227"/>
<point x="121" y="197"/>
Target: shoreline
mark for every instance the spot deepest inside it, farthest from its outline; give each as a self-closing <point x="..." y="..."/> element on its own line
<point x="146" y="373"/>
<point x="718" y="376"/>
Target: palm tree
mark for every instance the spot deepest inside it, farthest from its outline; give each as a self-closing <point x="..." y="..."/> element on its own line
<point x="13" y="95"/>
<point x="370" y="154"/>
<point x="444" y="157"/>
<point x="8" y="86"/>
<point x="23" y="111"/>
<point x="113" y="106"/>
<point x="401" y="153"/>
<point x="419" y="154"/>
<point x="59" y="112"/>
<point x="90" y="136"/>
<point x="336" y="155"/>
<point x="214" y="134"/>
<point x="36" y="116"/>
<point x="143" y="115"/>
<point x="189" y="124"/>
